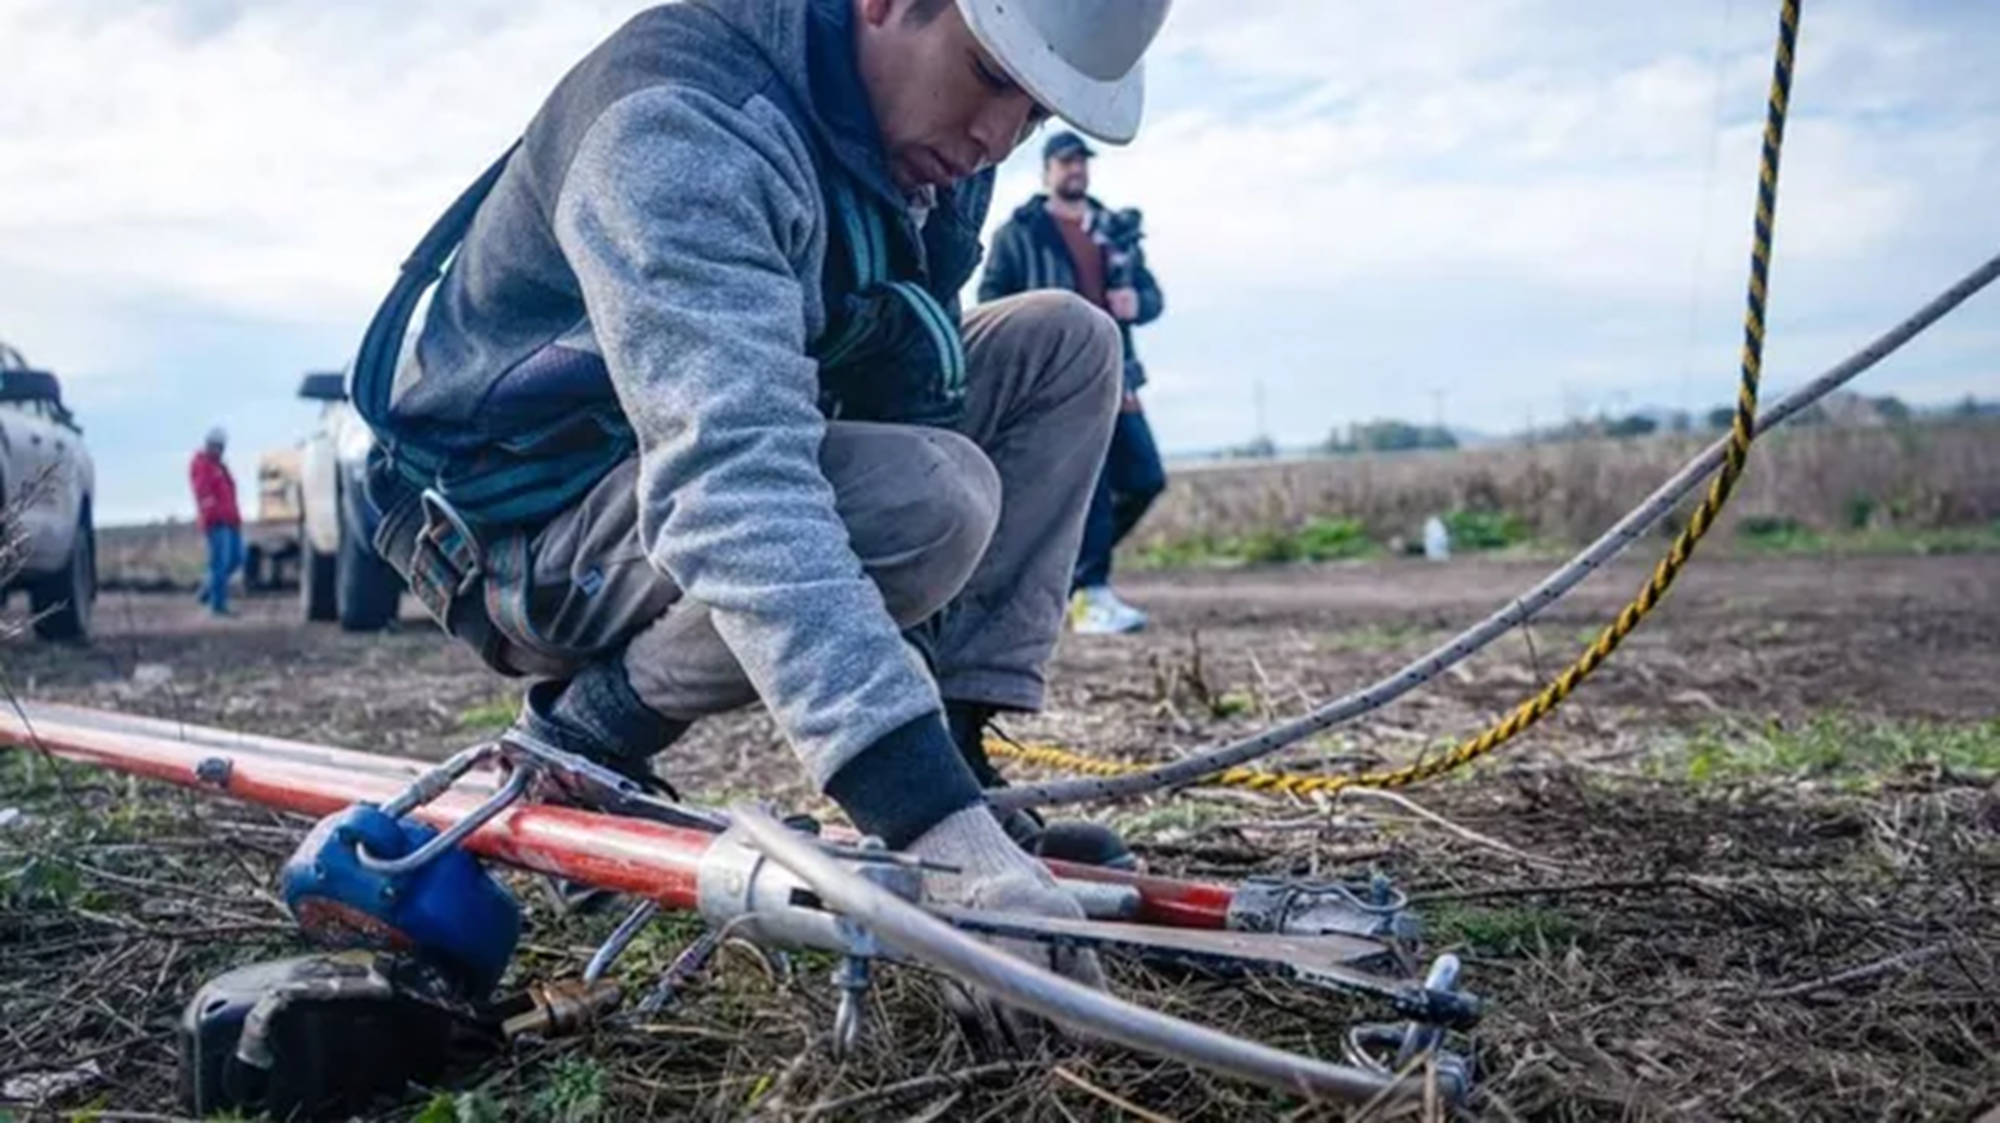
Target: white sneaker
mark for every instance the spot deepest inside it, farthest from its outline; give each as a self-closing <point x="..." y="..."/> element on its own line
<point x="1097" y="611"/>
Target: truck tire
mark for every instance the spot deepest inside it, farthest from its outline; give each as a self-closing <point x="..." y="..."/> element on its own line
<point x="255" y="578"/>
<point x="62" y="601"/>
<point x="319" y="598"/>
<point x="370" y="591"/>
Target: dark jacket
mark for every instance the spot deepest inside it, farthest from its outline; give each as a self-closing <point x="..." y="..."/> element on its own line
<point x="1029" y="253"/>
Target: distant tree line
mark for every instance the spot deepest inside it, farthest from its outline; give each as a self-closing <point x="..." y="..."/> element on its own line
<point x="1387" y="436"/>
<point x="1839" y="408"/>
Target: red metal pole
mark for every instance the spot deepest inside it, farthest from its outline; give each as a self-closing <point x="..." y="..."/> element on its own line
<point x="626" y="855"/>
<point x="1163" y="901"/>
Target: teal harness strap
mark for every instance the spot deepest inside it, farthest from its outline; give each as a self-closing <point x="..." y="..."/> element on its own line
<point x="382" y="343"/>
<point x="865" y="234"/>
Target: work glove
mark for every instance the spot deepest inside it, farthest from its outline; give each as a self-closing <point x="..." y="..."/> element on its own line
<point x="996" y="876"/>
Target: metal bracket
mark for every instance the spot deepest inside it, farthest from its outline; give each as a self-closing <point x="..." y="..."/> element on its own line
<point x="576" y="781"/>
<point x="1337" y="963"/>
<point x="1376" y="911"/>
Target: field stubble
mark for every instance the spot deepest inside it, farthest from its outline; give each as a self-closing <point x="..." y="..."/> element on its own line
<point x="1752" y="871"/>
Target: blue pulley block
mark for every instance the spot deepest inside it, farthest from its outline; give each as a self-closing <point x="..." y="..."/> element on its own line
<point x="448" y="912"/>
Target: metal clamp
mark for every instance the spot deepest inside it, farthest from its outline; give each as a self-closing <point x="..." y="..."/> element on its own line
<point x="1372" y="1046"/>
<point x="576" y="781"/>
<point x="740" y="888"/>
<point x="1376" y="911"/>
<point x="852" y="978"/>
<point x="855" y="975"/>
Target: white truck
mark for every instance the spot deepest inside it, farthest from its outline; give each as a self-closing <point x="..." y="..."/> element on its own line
<point x="47" y="480"/>
<point x="340" y="575"/>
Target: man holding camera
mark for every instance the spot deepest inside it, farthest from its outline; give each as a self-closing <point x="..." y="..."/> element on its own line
<point x="1064" y="239"/>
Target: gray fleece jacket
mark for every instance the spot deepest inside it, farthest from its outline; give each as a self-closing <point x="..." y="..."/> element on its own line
<point x="659" y="264"/>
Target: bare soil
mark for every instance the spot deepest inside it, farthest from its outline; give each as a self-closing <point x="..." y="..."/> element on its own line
<point x="1782" y="946"/>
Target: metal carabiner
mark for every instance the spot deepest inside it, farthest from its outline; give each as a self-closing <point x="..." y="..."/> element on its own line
<point x="428" y="788"/>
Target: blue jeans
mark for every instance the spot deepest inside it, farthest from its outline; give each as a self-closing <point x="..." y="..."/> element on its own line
<point x="1132" y="478"/>
<point x="225" y="556"/>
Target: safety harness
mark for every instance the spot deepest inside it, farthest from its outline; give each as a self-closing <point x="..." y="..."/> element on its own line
<point x="459" y="509"/>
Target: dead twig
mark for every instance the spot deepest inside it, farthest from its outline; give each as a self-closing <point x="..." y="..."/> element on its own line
<point x="1410" y="805"/>
<point x="1112" y="1098"/>
<point x="1894" y="963"/>
<point x="1558" y="889"/>
<point x="938" y="1110"/>
<point x="82" y="1058"/>
<point x="211" y="932"/>
<point x="1265" y="689"/>
<point x="915" y="1087"/>
<point x="172" y="888"/>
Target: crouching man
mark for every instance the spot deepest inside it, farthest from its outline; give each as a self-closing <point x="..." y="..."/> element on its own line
<point x="692" y="420"/>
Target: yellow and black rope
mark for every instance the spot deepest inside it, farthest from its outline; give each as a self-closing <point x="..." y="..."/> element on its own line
<point x="1742" y="432"/>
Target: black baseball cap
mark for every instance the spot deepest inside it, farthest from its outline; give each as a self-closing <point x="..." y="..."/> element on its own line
<point x="1066" y="144"/>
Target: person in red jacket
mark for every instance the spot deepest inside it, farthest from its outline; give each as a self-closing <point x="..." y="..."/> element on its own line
<point x="216" y="514"/>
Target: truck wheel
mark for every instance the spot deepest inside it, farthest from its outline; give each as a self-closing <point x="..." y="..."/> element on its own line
<point x="318" y="596"/>
<point x="62" y="601"/>
<point x="370" y="590"/>
<point x="255" y="578"/>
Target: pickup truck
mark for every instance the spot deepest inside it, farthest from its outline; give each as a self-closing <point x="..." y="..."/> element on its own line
<point x="340" y="575"/>
<point x="46" y="483"/>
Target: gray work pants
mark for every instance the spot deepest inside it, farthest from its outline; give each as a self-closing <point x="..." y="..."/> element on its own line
<point x="982" y="524"/>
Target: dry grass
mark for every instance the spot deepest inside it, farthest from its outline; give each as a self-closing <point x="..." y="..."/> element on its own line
<point x="14" y="544"/>
<point x="1913" y="478"/>
<point x="1825" y="479"/>
<point x="155" y="556"/>
<point x="1669" y="952"/>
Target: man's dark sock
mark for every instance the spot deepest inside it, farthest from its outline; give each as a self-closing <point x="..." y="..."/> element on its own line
<point x="596" y="715"/>
<point x="968" y="722"/>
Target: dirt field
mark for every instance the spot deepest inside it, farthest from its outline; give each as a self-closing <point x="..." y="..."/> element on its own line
<point x="1754" y="870"/>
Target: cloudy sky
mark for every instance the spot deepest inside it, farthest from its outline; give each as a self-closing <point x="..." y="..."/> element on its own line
<point x="1508" y="209"/>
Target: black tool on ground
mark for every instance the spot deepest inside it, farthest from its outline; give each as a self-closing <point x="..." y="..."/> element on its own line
<point x="321" y="1036"/>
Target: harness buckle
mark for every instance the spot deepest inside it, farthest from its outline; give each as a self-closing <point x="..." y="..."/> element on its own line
<point x="446" y="560"/>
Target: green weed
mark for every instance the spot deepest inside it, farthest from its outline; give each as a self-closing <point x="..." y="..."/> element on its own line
<point x="1502" y="932"/>
<point x="575" y="1093"/>
<point x="1773" y="535"/>
<point x="491" y="717"/>
<point x="40" y="883"/>
<point x="1777" y="534"/>
<point x="465" y="1107"/>
<point x="1847" y="751"/>
<point x="1176" y="819"/>
<point x="1476" y="531"/>
<point x="1318" y="540"/>
<point x="1335" y="540"/>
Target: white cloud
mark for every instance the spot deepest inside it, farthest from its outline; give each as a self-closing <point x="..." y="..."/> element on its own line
<point x="1590" y="170"/>
<point x="1520" y="201"/>
<point x="278" y="163"/>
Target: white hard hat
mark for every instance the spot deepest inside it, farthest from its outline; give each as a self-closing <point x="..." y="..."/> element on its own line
<point x="217" y="437"/>
<point x="1079" y="58"/>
